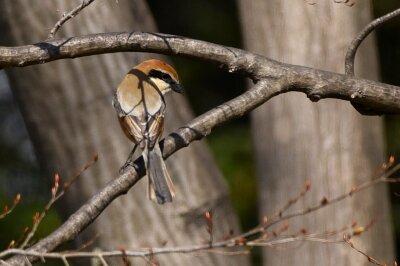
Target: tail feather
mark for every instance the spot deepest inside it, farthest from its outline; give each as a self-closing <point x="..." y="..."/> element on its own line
<point x="161" y="187"/>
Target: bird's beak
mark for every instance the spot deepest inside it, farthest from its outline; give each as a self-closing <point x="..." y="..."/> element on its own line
<point x="177" y="88"/>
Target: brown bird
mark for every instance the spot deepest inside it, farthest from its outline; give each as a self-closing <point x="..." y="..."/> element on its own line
<point x="140" y="105"/>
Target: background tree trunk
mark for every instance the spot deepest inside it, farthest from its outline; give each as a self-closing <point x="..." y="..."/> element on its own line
<point x="67" y="108"/>
<point x="327" y="142"/>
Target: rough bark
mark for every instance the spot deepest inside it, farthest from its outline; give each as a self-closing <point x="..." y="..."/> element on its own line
<point x="67" y="108"/>
<point x="315" y="83"/>
<point x="328" y="142"/>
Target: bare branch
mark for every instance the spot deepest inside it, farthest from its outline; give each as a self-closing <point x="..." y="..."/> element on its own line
<point x="251" y="238"/>
<point x="150" y="252"/>
<point x="316" y="84"/>
<point x="224" y="247"/>
<point x="7" y="210"/>
<point x="351" y="51"/>
<point x="293" y="201"/>
<point x="369" y="258"/>
<point x="55" y="196"/>
<point x="195" y="130"/>
<point x="273" y="78"/>
<point x="68" y="16"/>
<point x="383" y="177"/>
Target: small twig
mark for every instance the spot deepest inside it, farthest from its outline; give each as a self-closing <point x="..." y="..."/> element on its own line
<point x="346" y="239"/>
<point x="6" y="210"/>
<point x="65" y="261"/>
<point x="89" y="243"/>
<point x="37" y="218"/>
<point x="73" y="178"/>
<point x="102" y="260"/>
<point x="55" y="195"/>
<point x="28" y="262"/>
<point x="68" y="16"/>
<point x="293" y="201"/>
<point x="352" y="49"/>
<point x="227" y="253"/>
<point x="291" y="239"/>
<point x="254" y="237"/>
<point x="150" y="253"/>
<point x="156" y="251"/>
<point x="384" y="177"/>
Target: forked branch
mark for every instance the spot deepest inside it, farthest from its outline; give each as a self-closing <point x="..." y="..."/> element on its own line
<point x="262" y="235"/>
<point x="317" y="84"/>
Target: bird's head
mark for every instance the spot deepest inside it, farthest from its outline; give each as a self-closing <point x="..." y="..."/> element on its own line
<point x="161" y="74"/>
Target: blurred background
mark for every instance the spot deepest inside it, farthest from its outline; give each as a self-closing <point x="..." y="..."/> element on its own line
<point x="206" y="87"/>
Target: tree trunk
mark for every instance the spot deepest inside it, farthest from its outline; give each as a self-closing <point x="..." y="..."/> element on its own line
<point x="67" y="108"/>
<point x="327" y="142"/>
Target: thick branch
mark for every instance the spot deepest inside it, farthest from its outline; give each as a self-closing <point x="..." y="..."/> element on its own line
<point x="274" y="78"/>
<point x="195" y="130"/>
<point x="254" y="237"/>
<point x="317" y="84"/>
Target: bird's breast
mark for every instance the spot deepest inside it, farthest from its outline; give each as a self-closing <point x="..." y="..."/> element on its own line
<point x="139" y="98"/>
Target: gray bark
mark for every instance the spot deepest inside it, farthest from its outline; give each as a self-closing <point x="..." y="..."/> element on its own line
<point x="67" y="108"/>
<point x="315" y="83"/>
<point x="327" y="142"/>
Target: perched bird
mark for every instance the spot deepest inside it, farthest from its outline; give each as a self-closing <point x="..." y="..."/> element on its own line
<point x="139" y="102"/>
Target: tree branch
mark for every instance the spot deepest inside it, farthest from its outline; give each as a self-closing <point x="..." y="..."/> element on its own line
<point x="273" y="78"/>
<point x="215" y="248"/>
<point x="68" y="16"/>
<point x="195" y="130"/>
<point x="317" y="84"/>
<point x="259" y="236"/>
<point x="352" y="50"/>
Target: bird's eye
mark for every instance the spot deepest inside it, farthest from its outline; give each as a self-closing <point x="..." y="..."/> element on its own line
<point x="161" y="75"/>
<point x="166" y="77"/>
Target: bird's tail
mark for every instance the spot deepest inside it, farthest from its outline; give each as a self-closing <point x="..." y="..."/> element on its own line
<point x="160" y="187"/>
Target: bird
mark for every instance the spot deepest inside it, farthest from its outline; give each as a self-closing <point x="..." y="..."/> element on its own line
<point x="140" y="106"/>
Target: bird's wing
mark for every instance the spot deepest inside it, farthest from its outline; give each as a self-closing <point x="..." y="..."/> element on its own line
<point x="132" y="129"/>
<point x="141" y="110"/>
<point x="155" y="128"/>
<point x="140" y="130"/>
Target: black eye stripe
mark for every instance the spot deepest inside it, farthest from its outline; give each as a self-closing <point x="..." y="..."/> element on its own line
<point x="161" y="75"/>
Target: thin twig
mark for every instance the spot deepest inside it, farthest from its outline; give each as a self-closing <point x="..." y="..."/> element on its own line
<point x="64" y="260"/>
<point x="38" y="218"/>
<point x="68" y="16"/>
<point x="352" y="49"/>
<point x="195" y="130"/>
<point x="28" y="262"/>
<point x="370" y="259"/>
<point x="149" y="253"/>
<point x="166" y="250"/>
<point x="102" y="260"/>
<point x="254" y="237"/>
<point x="6" y="210"/>
<point x="384" y="177"/>
<point x="55" y="196"/>
<point x="293" y="201"/>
